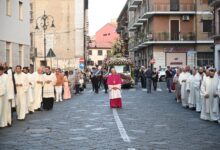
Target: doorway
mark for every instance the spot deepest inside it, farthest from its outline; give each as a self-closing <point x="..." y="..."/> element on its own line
<point x="174" y="29"/>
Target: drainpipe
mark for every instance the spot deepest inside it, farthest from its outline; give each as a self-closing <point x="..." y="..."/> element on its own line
<point x="196" y="32"/>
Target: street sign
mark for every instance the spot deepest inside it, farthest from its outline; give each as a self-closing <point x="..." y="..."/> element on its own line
<point x="81" y="59"/>
<point x="51" y="53"/>
<point x="81" y="66"/>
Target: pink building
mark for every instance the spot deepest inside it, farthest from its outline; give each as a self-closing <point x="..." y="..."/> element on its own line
<point x="101" y="43"/>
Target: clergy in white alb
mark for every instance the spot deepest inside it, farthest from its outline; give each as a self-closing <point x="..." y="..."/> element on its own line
<point x="3" y="97"/>
<point x="38" y="85"/>
<point x="191" y="90"/>
<point x="22" y="88"/>
<point x="210" y="93"/>
<point x="182" y="80"/>
<point x="29" y="95"/>
<point x="31" y="92"/>
<point x="197" y="84"/>
<point x="11" y="98"/>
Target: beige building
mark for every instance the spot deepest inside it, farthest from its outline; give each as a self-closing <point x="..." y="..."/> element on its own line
<point x="96" y="55"/>
<point x="67" y="39"/>
<point x="173" y="32"/>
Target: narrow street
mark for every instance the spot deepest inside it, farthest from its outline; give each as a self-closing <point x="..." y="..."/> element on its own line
<point x="146" y="122"/>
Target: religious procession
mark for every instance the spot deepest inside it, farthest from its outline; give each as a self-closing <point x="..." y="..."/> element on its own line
<point x="197" y="89"/>
<point x="24" y="91"/>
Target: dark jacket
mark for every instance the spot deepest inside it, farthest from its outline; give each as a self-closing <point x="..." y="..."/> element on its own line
<point x="155" y="76"/>
<point x="149" y="73"/>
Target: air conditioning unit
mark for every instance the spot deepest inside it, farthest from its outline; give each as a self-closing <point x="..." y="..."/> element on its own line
<point x="185" y="18"/>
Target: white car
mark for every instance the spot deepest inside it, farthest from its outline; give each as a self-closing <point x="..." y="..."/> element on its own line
<point x="162" y="74"/>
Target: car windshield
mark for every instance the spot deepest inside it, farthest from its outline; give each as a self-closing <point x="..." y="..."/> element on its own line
<point x="122" y="69"/>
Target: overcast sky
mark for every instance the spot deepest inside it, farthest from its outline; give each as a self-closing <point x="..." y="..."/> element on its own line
<point x="102" y="11"/>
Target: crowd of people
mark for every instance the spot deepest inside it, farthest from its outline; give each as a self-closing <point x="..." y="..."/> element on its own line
<point x="197" y="89"/>
<point x="24" y="91"/>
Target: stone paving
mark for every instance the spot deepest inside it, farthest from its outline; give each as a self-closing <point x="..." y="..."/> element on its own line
<point x="152" y="122"/>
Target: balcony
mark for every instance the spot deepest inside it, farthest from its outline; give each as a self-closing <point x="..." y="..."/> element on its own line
<point x="136" y="2"/>
<point x="214" y="2"/>
<point x="166" y="36"/>
<point x="132" y="7"/>
<point x="169" y="9"/>
<point x="161" y="38"/>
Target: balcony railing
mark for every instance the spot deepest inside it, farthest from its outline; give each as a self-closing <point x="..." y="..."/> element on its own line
<point x="172" y="7"/>
<point x="162" y="36"/>
<point x="213" y="2"/>
<point x="166" y="36"/>
<point x="136" y="2"/>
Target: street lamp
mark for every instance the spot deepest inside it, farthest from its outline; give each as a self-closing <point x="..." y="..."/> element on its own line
<point x="43" y="22"/>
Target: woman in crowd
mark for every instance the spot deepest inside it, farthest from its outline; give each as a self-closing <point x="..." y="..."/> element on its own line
<point x="66" y="94"/>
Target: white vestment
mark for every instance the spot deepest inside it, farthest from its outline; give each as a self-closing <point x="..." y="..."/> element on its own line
<point x="197" y="84"/>
<point x="3" y="100"/>
<point x="11" y="97"/>
<point x="191" y="88"/>
<point x="184" y="95"/>
<point x="30" y="98"/>
<point x="37" y="90"/>
<point x="113" y="94"/>
<point x="48" y="90"/>
<point x="21" y="95"/>
<point x="210" y="107"/>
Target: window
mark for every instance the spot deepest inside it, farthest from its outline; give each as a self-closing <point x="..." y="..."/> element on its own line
<point x="20" y="54"/>
<point x="205" y="58"/>
<point x="90" y="52"/>
<point x="100" y="52"/>
<point x="99" y="62"/>
<point x="32" y="39"/>
<point x="8" y="7"/>
<point x="31" y="13"/>
<point x="207" y="25"/>
<point x="21" y="10"/>
<point x="8" y="51"/>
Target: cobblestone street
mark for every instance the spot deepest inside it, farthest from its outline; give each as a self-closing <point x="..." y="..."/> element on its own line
<point x="146" y="122"/>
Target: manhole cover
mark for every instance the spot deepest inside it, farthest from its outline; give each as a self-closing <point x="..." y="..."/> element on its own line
<point x="38" y="131"/>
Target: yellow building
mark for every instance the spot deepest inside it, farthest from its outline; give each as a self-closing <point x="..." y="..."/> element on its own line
<point x="67" y="39"/>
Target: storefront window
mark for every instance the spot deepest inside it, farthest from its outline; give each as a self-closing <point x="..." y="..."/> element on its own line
<point x="205" y="59"/>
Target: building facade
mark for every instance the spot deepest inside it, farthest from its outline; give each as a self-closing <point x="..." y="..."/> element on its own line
<point x="172" y="32"/>
<point x="14" y="32"/>
<point x="100" y="45"/>
<point x="216" y="31"/>
<point x="67" y="38"/>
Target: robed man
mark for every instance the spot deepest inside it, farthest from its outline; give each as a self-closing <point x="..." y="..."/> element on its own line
<point x="22" y="89"/>
<point x="182" y="80"/>
<point x="48" y="90"/>
<point x="210" y="91"/>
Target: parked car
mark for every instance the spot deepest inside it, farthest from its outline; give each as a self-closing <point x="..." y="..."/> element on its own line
<point x="162" y="74"/>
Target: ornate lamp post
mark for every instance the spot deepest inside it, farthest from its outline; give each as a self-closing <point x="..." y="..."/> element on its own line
<point x="43" y="22"/>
